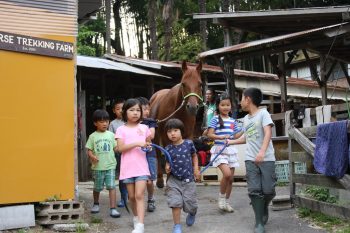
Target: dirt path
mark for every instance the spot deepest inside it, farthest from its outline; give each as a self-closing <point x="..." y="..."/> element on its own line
<point x="209" y="219"/>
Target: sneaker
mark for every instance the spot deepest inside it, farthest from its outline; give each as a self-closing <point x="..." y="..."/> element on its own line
<point x="222" y="202"/>
<point x="228" y="208"/>
<point x="114" y="213"/>
<point x="151" y="205"/>
<point x="121" y="203"/>
<point x="95" y="209"/>
<point x="139" y="228"/>
<point x="190" y="219"/>
<point x="177" y="228"/>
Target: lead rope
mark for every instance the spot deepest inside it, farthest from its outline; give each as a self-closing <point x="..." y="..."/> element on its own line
<point x="168" y="117"/>
<point x="182" y="104"/>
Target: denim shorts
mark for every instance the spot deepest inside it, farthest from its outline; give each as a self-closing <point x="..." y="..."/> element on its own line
<point x="135" y="179"/>
<point x="152" y="165"/>
<point x="101" y="178"/>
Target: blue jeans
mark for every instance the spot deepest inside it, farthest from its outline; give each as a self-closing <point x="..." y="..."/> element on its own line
<point x="135" y="179"/>
<point x="152" y="165"/>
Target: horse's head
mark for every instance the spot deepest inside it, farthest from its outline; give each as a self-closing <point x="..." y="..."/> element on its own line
<point x="191" y="84"/>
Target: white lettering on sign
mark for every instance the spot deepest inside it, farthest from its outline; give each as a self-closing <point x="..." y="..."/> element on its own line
<point x="6" y="38"/>
<point x="28" y="44"/>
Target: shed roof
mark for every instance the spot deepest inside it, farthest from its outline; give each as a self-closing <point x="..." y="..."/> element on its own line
<point x="280" y="22"/>
<point x="100" y="63"/>
<point x="332" y="40"/>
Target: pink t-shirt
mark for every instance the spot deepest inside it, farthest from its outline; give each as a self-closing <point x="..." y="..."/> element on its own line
<point x="133" y="162"/>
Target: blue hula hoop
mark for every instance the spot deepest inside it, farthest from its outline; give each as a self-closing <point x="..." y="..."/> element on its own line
<point x="164" y="151"/>
<point x="219" y="153"/>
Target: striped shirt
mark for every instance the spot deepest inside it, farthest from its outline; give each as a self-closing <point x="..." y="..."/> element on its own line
<point x="230" y="126"/>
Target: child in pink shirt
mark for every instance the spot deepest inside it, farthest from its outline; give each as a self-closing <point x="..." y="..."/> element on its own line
<point x="133" y="166"/>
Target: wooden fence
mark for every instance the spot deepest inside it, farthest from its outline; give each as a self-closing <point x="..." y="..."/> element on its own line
<point x="302" y="137"/>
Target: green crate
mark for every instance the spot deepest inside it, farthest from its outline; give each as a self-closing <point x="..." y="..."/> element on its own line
<point x="282" y="170"/>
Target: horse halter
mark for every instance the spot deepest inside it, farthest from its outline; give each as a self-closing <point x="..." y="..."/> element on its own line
<point x="193" y="94"/>
<point x="182" y="104"/>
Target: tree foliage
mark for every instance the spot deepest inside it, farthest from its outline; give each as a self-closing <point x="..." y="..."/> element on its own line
<point x="184" y="46"/>
<point x="89" y="38"/>
<point x="181" y="36"/>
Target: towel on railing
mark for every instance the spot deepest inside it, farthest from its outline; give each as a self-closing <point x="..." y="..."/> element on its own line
<point x="332" y="149"/>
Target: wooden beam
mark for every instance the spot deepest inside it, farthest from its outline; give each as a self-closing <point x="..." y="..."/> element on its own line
<point x="309" y="132"/>
<point x="316" y="179"/>
<point x="313" y="70"/>
<point x="300" y="157"/>
<point x="323" y="207"/>
<point x="291" y="57"/>
<point x="307" y="145"/>
<point x="329" y="72"/>
<point x="281" y="72"/>
<point x="323" y="79"/>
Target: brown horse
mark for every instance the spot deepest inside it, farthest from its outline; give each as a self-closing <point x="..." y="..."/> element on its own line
<point x="182" y="102"/>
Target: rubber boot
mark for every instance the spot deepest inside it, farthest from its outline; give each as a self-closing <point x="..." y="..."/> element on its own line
<point x="258" y="204"/>
<point x="268" y="198"/>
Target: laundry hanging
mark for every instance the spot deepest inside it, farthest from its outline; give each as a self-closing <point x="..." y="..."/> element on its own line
<point x="332" y="149"/>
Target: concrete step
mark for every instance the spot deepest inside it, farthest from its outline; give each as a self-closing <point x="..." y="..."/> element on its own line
<point x="281" y="202"/>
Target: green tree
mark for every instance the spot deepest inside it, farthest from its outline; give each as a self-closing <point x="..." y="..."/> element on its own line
<point x="183" y="45"/>
<point x="90" y="36"/>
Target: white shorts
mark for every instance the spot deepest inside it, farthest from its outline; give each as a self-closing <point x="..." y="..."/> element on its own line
<point x="228" y="156"/>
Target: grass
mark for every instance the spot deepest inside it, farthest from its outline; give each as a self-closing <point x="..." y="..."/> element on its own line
<point x="332" y="224"/>
<point x="282" y="184"/>
<point x="79" y="227"/>
<point x="344" y="230"/>
<point x="96" y="220"/>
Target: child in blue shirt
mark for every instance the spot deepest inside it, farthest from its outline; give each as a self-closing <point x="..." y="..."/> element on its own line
<point x="181" y="187"/>
<point x="222" y="127"/>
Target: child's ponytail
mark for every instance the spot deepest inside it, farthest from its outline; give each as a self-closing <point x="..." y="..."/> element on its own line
<point x="221" y="122"/>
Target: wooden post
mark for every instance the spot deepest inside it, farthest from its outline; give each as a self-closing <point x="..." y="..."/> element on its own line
<point x="323" y="79"/>
<point x="272" y="100"/>
<point x="150" y="89"/>
<point x="227" y="36"/>
<point x="228" y="68"/>
<point x="283" y="82"/>
<point x="291" y="167"/>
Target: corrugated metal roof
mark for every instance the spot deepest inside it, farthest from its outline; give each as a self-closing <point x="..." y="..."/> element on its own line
<point x="240" y="48"/>
<point x="100" y="63"/>
<point x="278" y="21"/>
<point x="42" y="17"/>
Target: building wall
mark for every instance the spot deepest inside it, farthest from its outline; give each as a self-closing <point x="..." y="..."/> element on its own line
<point x="37" y="105"/>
